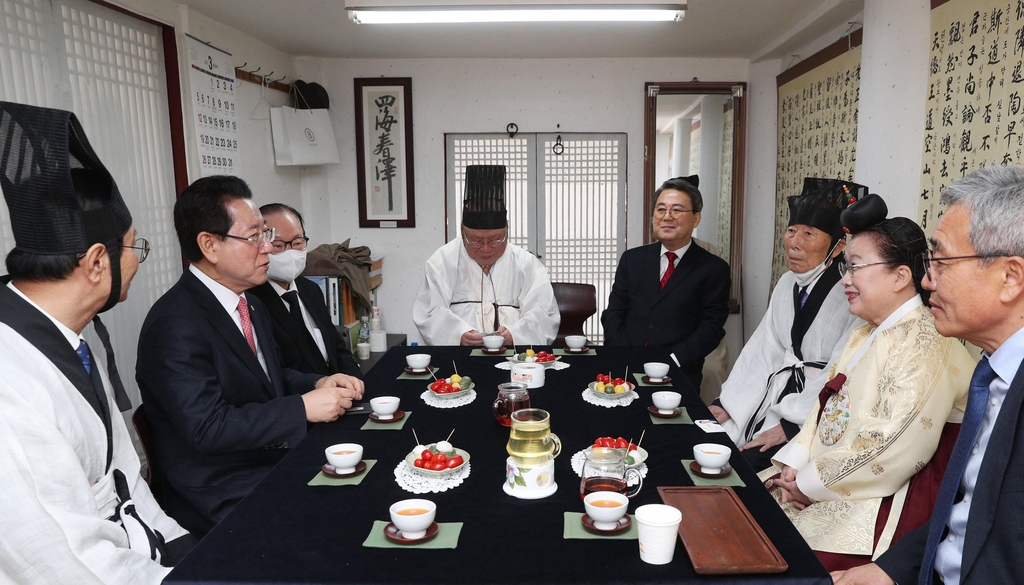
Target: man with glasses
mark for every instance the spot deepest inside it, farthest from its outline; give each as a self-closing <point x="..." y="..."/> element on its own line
<point x="481" y="284"/>
<point x="673" y="293"/>
<point x="308" y="339"/>
<point x="775" y="382"/>
<point x="222" y="408"/>
<point x="976" y="274"/>
<point x="75" y="508"/>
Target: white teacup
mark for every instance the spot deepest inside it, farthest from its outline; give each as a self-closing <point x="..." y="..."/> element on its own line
<point x="605" y="508"/>
<point x="655" y="371"/>
<point x="344" y="456"/>
<point x="711" y="457"/>
<point x="385" y="406"/>
<point x="494" y="342"/>
<point x="418" y="361"/>
<point x="413" y="517"/>
<point x="665" y="401"/>
<point x="575" y="341"/>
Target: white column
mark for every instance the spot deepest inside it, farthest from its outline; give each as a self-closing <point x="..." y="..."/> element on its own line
<point x="711" y="120"/>
<point x="681" y="146"/>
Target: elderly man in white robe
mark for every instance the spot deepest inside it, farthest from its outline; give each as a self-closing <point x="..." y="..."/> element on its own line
<point x="75" y="508"/>
<point x="777" y="377"/>
<point x="481" y="284"/>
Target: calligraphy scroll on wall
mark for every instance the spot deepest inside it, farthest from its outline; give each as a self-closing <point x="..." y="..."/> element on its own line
<point x="817" y="125"/>
<point x="973" y="113"/>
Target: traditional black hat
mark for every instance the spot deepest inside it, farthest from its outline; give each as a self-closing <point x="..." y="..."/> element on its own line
<point x="484" y="202"/>
<point x="822" y="201"/>
<point x="860" y="215"/>
<point x="692" y="179"/>
<point x="45" y="158"/>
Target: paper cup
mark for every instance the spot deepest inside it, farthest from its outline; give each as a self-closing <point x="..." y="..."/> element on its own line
<point x="656" y="528"/>
<point x="529" y="373"/>
<point x="364" y="350"/>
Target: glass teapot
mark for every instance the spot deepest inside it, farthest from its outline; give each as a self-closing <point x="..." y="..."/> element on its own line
<point x="605" y="471"/>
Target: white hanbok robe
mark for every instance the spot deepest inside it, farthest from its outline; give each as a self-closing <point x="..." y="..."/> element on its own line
<point x="57" y="495"/>
<point x="770" y="349"/>
<point x="518" y="283"/>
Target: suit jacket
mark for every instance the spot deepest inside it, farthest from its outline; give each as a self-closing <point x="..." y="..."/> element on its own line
<point x="995" y="526"/>
<point x="298" y="350"/>
<point x="688" y="315"/>
<point x="219" y="422"/>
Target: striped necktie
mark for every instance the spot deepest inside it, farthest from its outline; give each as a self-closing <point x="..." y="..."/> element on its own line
<point x="668" y="271"/>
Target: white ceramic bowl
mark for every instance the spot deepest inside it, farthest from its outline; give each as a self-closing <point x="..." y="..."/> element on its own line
<point x="344" y="456"/>
<point x="413" y="526"/>
<point x="493" y="342"/>
<point x="575" y="341"/>
<point x="385" y="406"/>
<point x="665" y="401"/>
<point x="711" y="457"/>
<point x="605" y="517"/>
<point x="655" y="370"/>
<point x="418" y="361"/>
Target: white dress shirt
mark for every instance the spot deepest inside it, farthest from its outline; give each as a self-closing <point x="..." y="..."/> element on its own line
<point x="307" y="319"/>
<point x="1005" y="361"/>
<point x="229" y="300"/>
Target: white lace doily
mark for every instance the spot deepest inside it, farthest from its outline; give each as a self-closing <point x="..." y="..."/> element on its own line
<point x="432" y="400"/>
<point x="413" y="481"/>
<point x="626" y="400"/>
<point x="506" y="365"/>
<point x="581" y="457"/>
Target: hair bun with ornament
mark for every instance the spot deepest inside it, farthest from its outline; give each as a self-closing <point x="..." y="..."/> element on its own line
<point x="860" y="215"/>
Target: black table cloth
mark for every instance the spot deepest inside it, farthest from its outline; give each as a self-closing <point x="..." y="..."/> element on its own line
<point x="288" y="532"/>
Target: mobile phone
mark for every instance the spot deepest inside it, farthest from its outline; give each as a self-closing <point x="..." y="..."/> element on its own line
<point x="359" y="408"/>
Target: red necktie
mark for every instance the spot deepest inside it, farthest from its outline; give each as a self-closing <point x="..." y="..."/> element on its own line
<point x="243" y="313"/>
<point x="671" y="268"/>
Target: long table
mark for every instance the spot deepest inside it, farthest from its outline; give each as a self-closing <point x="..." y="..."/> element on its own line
<point x="286" y="531"/>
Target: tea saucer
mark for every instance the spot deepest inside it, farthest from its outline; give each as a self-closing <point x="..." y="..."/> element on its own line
<point x="647" y="380"/>
<point x="695" y="468"/>
<point x="412" y="372"/>
<point x="392" y="533"/>
<point x="328" y="470"/>
<point x="493" y="351"/>
<point x="583" y="349"/>
<point x="658" y="414"/>
<point x="623" y="524"/>
<point x="399" y="415"/>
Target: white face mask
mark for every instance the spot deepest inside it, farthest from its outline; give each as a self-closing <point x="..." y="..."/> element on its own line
<point x="811" y="275"/>
<point x="285" y="266"/>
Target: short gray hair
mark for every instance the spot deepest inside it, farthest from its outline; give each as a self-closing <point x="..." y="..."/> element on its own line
<point x="994" y="196"/>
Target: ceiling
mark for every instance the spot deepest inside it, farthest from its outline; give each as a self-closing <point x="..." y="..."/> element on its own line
<point x="756" y="29"/>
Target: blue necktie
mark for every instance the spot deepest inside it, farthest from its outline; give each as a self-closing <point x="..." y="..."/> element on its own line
<point x="85" y="356"/>
<point x="977" y="401"/>
<point x="803" y="296"/>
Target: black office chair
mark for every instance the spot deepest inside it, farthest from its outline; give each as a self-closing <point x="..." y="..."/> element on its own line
<point x="576" y="303"/>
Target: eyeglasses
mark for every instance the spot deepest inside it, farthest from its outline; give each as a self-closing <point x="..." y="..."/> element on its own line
<point x="141" y="249"/>
<point x="481" y="243"/>
<point x="264" y="237"/>
<point x="298" y="243"/>
<point x="852" y="269"/>
<point x="930" y="261"/>
<point x="661" y="212"/>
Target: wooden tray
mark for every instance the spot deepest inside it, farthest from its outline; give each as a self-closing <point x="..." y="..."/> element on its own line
<point x="719" y="533"/>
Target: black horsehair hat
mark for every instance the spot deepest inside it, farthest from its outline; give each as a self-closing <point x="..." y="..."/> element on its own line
<point x="484" y="203"/>
<point x="822" y="201"/>
<point x="44" y="155"/>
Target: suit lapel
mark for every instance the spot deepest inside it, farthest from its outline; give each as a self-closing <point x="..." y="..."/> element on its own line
<point x="226" y="328"/>
<point x="265" y="332"/>
<point x="314" y="301"/>
<point x="990" y="476"/>
<point x="686" y="265"/>
<point x="278" y="310"/>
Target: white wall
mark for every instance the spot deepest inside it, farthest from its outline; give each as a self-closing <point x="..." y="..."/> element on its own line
<point x="481" y="95"/>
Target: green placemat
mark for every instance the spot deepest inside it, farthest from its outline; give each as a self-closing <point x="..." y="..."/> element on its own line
<point x="407" y="376"/>
<point x="574" y="529"/>
<point x="732" y="479"/>
<point x="639" y="382"/>
<point x="322" y="479"/>
<point x="682" y="419"/>
<point x="447" y="537"/>
<point x="372" y="425"/>
<point x="561" y="351"/>
<point x="480" y="353"/>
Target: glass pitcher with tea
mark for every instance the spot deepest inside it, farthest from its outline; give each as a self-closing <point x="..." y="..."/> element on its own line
<point x="531" y="442"/>
<point x="512" y="396"/>
<point x="605" y="470"/>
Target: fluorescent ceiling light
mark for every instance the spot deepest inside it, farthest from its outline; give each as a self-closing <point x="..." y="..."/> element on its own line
<point x="463" y="13"/>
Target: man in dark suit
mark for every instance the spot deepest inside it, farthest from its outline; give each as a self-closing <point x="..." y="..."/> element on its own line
<point x="309" y="341"/>
<point x="976" y="273"/>
<point x="222" y="408"/>
<point x="673" y="293"/>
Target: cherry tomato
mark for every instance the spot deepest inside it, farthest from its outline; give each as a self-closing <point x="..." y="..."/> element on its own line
<point x="440" y="457"/>
<point x="606" y="442"/>
<point x="633" y="447"/>
<point x="436" y="466"/>
<point x="455" y="462"/>
<point x="617" y="381"/>
<point x="621" y="443"/>
<point x="419" y="463"/>
<point x="426" y="455"/>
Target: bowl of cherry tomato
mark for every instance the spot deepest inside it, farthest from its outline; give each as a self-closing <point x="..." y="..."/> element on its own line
<point x="451" y="387"/>
<point x="635" y="455"/>
<point x="540" y="357"/>
<point x="611" y="388"/>
<point x="436" y="463"/>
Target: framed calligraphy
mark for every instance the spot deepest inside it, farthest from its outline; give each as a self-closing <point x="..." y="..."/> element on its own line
<point x="384" y="151"/>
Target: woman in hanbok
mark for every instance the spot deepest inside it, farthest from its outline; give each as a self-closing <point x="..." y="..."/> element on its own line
<point x="864" y="468"/>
